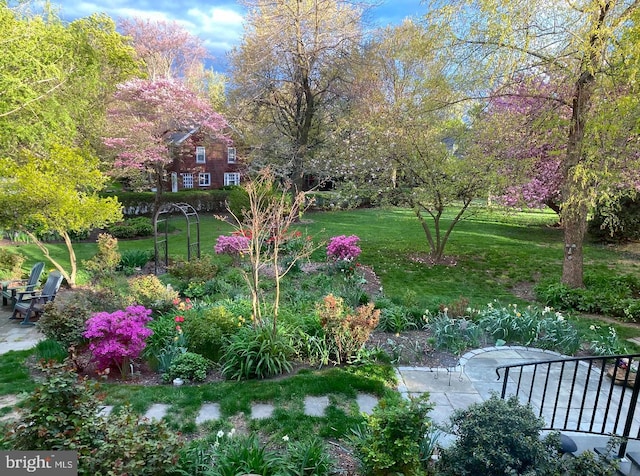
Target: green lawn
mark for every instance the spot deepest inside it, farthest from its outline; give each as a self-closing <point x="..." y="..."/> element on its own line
<point x="494" y="251"/>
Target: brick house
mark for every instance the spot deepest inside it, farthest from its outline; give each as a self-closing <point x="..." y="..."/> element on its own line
<point x="201" y="162"/>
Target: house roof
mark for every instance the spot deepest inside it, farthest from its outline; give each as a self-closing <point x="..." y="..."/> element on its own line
<point x="178" y="137"/>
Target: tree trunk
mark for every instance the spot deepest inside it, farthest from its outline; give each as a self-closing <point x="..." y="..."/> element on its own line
<point x="575" y="226"/>
<point x="45" y="251"/>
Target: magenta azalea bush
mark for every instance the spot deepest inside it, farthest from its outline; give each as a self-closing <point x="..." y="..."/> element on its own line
<point x="231" y="245"/>
<point x="117" y="338"/>
<point x="343" y="248"/>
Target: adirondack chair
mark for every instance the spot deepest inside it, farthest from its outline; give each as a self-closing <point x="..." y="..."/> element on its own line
<point x="11" y="288"/>
<point x="31" y="303"/>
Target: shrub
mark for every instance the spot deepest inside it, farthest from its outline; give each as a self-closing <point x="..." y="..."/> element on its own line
<point x="131" y="445"/>
<point x="343" y="248"/>
<point x="391" y="440"/>
<point x="106" y="259"/>
<point x="346" y="333"/>
<point x="132" y="228"/>
<point x="499" y="437"/>
<point x="64" y="319"/>
<point x="62" y="414"/>
<point x="616" y="222"/>
<point x="197" y="269"/>
<point x="206" y="331"/>
<point x="148" y="291"/>
<point x="604" y="294"/>
<point x="117" y="338"/>
<point x="238" y="201"/>
<point x="256" y="352"/>
<point x="189" y="366"/>
<point x="10" y="264"/>
<point x="234" y="245"/>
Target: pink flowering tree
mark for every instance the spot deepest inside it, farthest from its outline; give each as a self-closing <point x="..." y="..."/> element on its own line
<point x="117" y="338"/>
<point x="524" y="129"/>
<point x="142" y="118"/>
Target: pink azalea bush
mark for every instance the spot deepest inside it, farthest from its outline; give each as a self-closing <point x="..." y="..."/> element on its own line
<point x="118" y="337"/>
<point x="232" y="245"/>
<point x="343" y="248"/>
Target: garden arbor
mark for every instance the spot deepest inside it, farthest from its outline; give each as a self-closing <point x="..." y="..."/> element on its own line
<point x="161" y="233"/>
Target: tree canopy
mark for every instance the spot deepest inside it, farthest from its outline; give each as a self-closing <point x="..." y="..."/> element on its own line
<point x="288" y="74"/>
<point x="56" y="193"/>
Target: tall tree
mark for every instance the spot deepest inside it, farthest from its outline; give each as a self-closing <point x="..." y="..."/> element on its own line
<point x="397" y="144"/>
<point x="57" y="192"/>
<point x="55" y="77"/>
<point x="142" y="118"/>
<point x="166" y="49"/>
<point x="574" y="40"/>
<point x="287" y="73"/>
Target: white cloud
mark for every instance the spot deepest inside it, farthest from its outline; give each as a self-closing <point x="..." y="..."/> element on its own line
<point x="217" y="25"/>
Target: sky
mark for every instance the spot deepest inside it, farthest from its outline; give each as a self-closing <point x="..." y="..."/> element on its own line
<point x="218" y="22"/>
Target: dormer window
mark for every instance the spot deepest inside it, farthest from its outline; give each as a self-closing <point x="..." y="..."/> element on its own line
<point x="231" y="155"/>
<point x="200" y="155"/>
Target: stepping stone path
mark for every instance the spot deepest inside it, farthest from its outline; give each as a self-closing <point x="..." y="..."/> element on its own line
<point x="313" y="406"/>
<point x="260" y="411"/>
<point x="209" y="411"/>
<point x="157" y="411"/>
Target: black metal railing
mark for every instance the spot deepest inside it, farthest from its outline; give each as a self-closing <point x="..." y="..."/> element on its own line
<point x="597" y="395"/>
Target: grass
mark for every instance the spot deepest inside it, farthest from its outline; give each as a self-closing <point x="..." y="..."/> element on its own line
<point x="494" y="251"/>
<point x="236" y="397"/>
<point x="14" y="375"/>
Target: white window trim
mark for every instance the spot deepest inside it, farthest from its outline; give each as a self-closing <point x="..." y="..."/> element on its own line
<point x="187" y="180"/>
<point x="201" y="155"/>
<point x="232" y="178"/>
<point x="232" y="157"/>
<point x="204" y="175"/>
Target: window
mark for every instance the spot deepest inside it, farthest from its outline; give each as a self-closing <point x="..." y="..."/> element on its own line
<point x="187" y="180"/>
<point x="231" y="155"/>
<point x="204" y="180"/>
<point x="232" y="178"/>
<point x="200" y="155"/>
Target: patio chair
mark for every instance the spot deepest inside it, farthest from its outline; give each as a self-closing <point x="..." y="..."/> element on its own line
<point x="31" y="303"/>
<point x="11" y="288"/>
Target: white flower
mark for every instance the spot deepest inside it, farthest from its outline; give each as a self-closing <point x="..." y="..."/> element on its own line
<point x="232" y="432"/>
<point x="559" y="316"/>
<point x="285" y="438"/>
<point x="220" y="434"/>
<point x="592" y="327"/>
<point x="546" y="309"/>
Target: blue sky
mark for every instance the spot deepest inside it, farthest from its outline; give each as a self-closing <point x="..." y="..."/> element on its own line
<point x="217" y="22"/>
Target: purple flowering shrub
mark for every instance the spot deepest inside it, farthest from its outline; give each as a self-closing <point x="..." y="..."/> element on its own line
<point x="232" y="245"/>
<point x="343" y="248"/>
<point x="118" y="337"/>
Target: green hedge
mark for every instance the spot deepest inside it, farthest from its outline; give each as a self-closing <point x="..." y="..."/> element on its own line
<point x="141" y="203"/>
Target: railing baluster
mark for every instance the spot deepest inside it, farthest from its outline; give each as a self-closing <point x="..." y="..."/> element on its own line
<point x="584" y="394"/>
<point x="630" y="415"/>
<point x="555" y="405"/>
<point x="608" y="405"/>
<point x="573" y="386"/>
<point x="533" y="380"/>
<point x="544" y="390"/>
